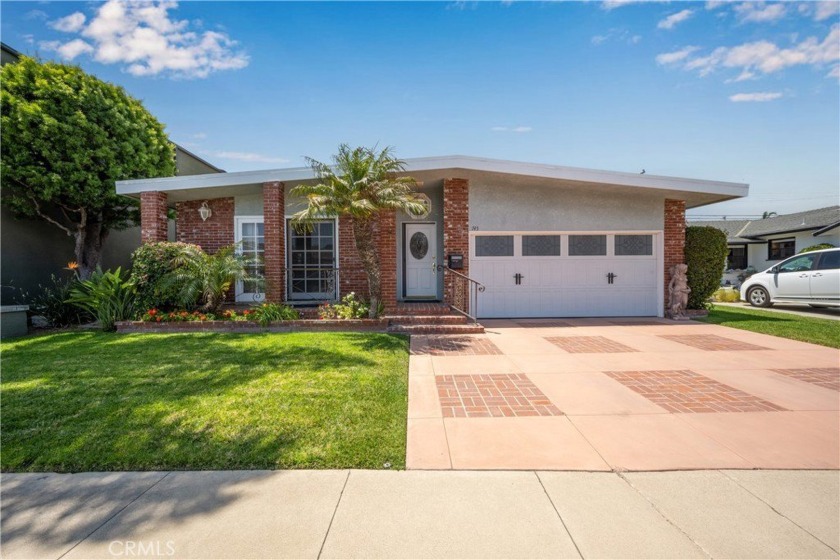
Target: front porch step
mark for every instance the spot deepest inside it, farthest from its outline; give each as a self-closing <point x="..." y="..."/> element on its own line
<point x="426" y="319"/>
<point x="437" y="329"/>
<point x="421" y="308"/>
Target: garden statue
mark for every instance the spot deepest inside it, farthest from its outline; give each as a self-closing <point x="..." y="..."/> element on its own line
<point x="678" y="291"/>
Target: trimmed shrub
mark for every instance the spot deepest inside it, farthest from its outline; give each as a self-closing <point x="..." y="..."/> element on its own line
<point x="705" y="255"/>
<point x="152" y="263"/>
<point x="817" y="247"/>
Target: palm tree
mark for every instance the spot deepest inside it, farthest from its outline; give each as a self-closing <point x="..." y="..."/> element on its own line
<point x="360" y="184"/>
<point x="206" y="278"/>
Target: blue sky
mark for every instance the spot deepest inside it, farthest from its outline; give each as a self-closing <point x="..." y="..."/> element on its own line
<point x="739" y="91"/>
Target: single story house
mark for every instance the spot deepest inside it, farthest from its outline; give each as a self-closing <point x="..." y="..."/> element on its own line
<point x="544" y="240"/>
<point x="32" y="250"/>
<point x="759" y="244"/>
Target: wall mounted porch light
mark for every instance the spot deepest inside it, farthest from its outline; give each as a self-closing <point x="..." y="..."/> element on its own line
<point x="204" y="211"/>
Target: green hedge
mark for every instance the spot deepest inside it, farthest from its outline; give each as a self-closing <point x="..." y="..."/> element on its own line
<point x="818" y="247"/>
<point x="705" y="255"/>
<point x="151" y="262"/>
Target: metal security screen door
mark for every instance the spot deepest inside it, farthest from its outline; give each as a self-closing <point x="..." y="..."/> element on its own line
<point x="312" y="262"/>
<point x="250" y="238"/>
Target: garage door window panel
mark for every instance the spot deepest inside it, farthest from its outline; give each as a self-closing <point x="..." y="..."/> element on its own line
<point x="587" y="245"/>
<point x="633" y="245"/>
<point x="541" y="246"/>
<point x="494" y="246"/>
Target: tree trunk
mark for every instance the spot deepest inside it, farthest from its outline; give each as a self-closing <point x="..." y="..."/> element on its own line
<point x="363" y="234"/>
<point x="89" y="241"/>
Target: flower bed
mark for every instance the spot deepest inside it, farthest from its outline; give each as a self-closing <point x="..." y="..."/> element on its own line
<point x="245" y="325"/>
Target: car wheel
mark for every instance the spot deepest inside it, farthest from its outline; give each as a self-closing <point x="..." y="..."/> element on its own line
<point x="758" y="297"/>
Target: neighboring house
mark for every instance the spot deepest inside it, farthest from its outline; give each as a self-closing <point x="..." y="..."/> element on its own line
<point x="761" y="243"/>
<point x="32" y="250"/>
<point x="545" y="241"/>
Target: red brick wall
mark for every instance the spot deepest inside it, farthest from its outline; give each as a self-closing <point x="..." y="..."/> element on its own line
<point x="352" y="277"/>
<point x="153" y="222"/>
<point x="674" y="238"/>
<point x="456" y="227"/>
<point x="386" y="247"/>
<point x="212" y="235"/>
<point x="274" y="210"/>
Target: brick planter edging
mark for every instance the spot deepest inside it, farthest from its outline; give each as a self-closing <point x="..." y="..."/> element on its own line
<point x="253" y="327"/>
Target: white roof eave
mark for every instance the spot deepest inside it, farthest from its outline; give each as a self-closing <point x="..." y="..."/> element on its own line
<point x="561" y="173"/>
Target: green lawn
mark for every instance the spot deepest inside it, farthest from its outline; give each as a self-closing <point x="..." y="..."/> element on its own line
<point x="89" y="401"/>
<point x="787" y="325"/>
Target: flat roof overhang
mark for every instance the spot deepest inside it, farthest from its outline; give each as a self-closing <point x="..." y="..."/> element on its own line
<point x="695" y="192"/>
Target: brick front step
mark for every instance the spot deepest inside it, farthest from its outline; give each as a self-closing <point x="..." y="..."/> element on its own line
<point x="437" y="329"/>
<point x="431" y="308"/>
<point x="426" y="319"/>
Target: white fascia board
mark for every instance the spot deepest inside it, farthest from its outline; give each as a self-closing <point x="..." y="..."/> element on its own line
<point x="443" y="163"/>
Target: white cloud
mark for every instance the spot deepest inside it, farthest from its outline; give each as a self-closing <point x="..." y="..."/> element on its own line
<point x="759" y="12"/>
<point x="616" y="34"/>
<point x="675" y="56"/>
<point x="613" y="4"/>
<point x="199" y="136"/>
<point x="35" y="14"/>
<point x="518" y="129"/>
<point x="825" y="10"/>
<point x="69" y="24"/>
<point x="755" y="97"/>
<point x="715" y="4"/>
<point x="143" y="37"/>
<point x="760" y="57"/>
<point x="671" y="21"/>
<point x="250" y="157"/>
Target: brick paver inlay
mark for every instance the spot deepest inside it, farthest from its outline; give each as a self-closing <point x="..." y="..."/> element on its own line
<point x="543" y="324"/>
<point x="444" y="345"/>
<point x="824" y="377"/>
<point x="711" y="342"/>
<point x="588" y="344"/>
<point x="686" y="391"/>
<point x="511" y="395"/>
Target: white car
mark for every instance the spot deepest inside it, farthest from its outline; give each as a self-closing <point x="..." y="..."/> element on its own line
<point x="812" y="278"/>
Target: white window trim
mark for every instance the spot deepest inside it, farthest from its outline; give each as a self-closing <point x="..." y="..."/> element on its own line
<point x="241" y="296"/>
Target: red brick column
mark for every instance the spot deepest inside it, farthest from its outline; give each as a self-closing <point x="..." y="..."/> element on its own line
<point x="674" y="239"/>
<point x="456" y="228"/>
<point x="212" y="235"/>
<point x="153" y="221"/>
<point x="386" y="248"/>
<point x="274" y="212"/>
<point x="351" y="277"/>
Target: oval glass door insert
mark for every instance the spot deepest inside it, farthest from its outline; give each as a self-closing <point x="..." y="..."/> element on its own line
<point x="419" y="245"/>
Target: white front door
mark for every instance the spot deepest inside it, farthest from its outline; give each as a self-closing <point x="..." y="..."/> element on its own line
<point x="420" y="260"/>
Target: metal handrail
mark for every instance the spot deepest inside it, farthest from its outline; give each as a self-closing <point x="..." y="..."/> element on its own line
<point x="470" y="303"/>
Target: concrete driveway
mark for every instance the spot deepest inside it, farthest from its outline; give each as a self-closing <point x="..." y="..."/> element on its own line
<point x="622" y="395"/>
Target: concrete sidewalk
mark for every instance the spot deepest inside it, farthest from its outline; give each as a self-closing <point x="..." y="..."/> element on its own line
<point x="422" y="514"/>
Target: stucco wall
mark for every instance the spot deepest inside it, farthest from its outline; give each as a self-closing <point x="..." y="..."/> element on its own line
<point x="248" y="205"/>
<point x="523" y="207"/>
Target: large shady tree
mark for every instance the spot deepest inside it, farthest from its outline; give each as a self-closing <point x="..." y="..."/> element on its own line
<point x="360" y="183"/>
<point x="67" y="137"/>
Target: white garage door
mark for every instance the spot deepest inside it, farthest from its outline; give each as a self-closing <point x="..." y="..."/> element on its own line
<point x="560" y="274"/>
